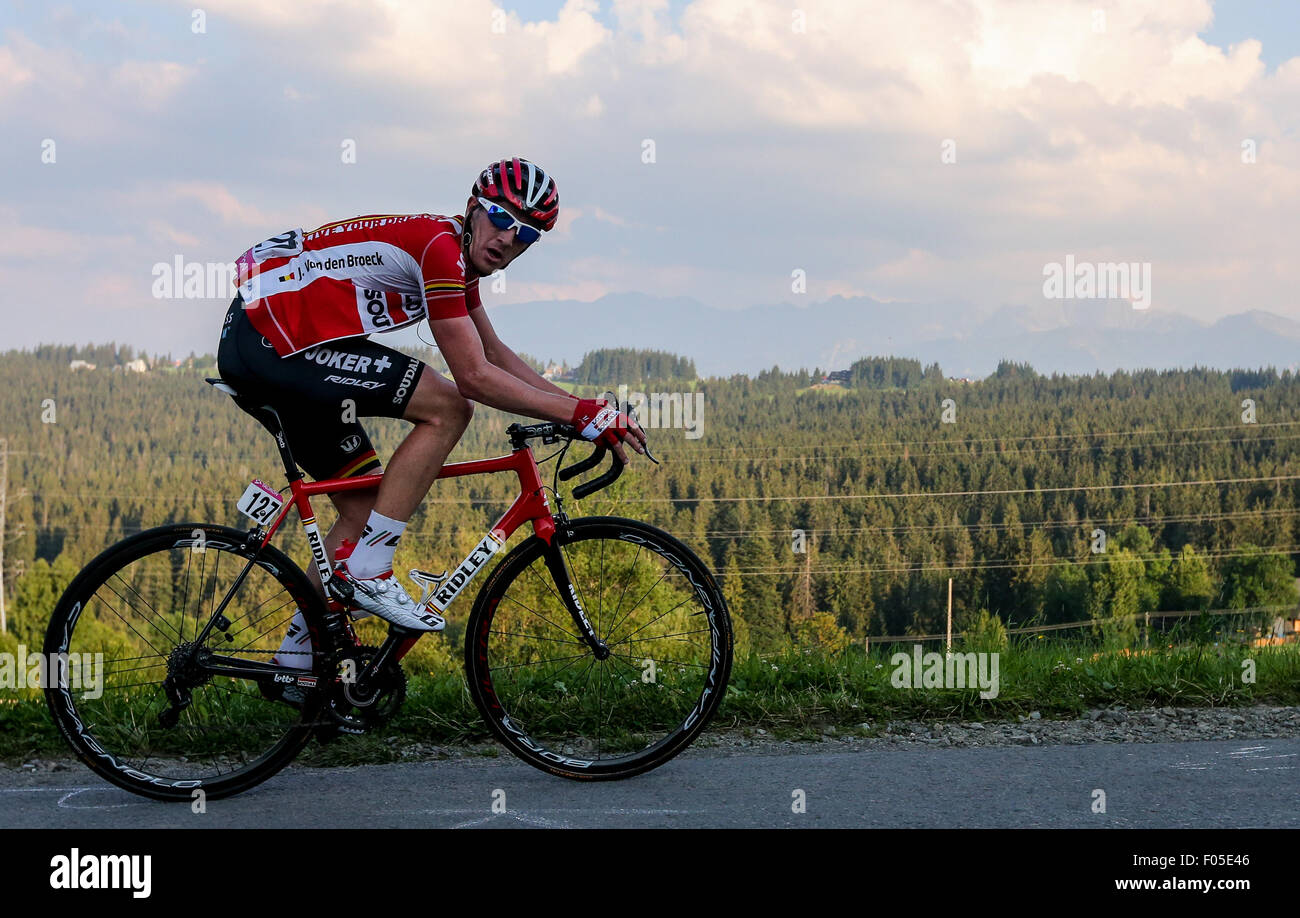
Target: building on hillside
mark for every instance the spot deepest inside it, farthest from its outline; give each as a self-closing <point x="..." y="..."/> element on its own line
<point x="138" y="366"/>
<point x="1284" y="630"/>
<point x="76" y="365"/>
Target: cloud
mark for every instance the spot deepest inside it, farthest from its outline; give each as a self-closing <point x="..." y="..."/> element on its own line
<point x="221" y="202"/>
<point x="568" y="39"/>
<point x="20" y="239"/>
<point x="782" y="140"/>
<point x="13" y="75"/>
<point x="150" y="82"/>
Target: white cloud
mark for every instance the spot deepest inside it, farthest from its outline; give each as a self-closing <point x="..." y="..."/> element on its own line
<point x="150" y="82"/>
<point x="777" y="148"/>
<point x="13" y="75"/>
<point x="568" y="39"/>
<point x="22" y="239"/>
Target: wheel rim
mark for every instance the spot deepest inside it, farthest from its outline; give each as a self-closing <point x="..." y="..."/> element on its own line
<point x="135" y="623"/>
<point x="665" y="626"/>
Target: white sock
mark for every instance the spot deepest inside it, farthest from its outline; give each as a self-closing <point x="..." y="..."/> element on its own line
<point x="295" y="648"/>
<point x="374" y="552"/>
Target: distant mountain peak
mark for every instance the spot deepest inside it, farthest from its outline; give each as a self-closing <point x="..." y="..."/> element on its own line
<point x="1061" y="336"/>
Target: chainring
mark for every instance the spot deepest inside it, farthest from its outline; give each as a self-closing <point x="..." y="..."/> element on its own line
<point x="352" y="717"/>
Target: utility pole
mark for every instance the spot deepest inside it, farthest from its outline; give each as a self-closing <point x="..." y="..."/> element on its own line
<point x="807" y="584"/>
<point x="949" y="651"/>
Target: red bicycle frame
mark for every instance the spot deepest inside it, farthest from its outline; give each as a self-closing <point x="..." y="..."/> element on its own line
<point x="531" y="504"/>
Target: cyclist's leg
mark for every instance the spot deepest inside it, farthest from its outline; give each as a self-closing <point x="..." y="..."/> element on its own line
<point x="311" y="392"/>
<point x="320" y="393"/>
<point x="330" y="388"/>
<point x="440" y="415"/>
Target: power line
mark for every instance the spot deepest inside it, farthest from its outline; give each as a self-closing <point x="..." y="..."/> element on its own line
<point x="961" y="452"/>
<point x="858" y="444"/>
<point x="1039" y="524"/>
<point x="952" y="441"/>
<point x="507" y="498"/>
<point x="688" y="454"/>
<point x="920" y="569"/>
<point x="1062" y="626"/>
<point x="848" y="530"/>
<point x="881" y="496"/>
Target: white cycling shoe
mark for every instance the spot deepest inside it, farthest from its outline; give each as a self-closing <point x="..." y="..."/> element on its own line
<point x="386" y="598"/>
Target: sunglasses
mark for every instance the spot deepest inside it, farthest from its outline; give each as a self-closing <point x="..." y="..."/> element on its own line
<point x="503" y="219"/>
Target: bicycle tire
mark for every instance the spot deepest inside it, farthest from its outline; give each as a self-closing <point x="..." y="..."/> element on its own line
<point x="98" y="731"/>
<point x="532" y="727"/>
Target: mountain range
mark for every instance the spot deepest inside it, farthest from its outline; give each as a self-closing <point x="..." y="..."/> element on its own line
<point x="1057" y="336"/>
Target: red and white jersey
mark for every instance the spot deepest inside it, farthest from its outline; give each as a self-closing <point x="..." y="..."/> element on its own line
<point x="355" y="277"/>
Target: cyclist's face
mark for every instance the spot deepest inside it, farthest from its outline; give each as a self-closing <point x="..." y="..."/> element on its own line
<point x="491" y="249"/>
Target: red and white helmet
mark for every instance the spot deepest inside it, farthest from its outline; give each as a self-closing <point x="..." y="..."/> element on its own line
<point x="523" y="186"/>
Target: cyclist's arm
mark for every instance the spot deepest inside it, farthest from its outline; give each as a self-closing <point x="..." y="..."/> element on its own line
<point x="500" y="354"/>
<point x="480" y="380"/>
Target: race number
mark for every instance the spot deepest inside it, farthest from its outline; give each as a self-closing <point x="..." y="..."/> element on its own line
<point x="260" y="504"/>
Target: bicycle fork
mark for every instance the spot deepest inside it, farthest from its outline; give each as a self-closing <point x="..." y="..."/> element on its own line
<point x="555" y="563"/>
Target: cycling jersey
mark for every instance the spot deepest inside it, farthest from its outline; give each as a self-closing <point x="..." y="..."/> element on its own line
<point x="307" y="389"/>
<point x="355" y="277"/>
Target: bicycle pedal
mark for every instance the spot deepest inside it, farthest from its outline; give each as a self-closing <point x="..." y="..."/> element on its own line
<point x="341" y="590"/>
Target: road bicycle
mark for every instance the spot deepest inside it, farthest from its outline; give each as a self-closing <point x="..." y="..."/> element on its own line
<point x="597" y="648"/>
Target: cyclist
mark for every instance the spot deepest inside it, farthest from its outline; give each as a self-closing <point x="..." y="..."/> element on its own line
<point x="295" y="338"/>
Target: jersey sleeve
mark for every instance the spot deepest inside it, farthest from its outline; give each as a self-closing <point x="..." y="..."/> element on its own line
<point x="472" y="300"/>
<point x="442" y="273"/>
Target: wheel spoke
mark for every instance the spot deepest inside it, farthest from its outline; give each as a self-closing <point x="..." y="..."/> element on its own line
<point x="638" y="602"/>
<point x="577" y="638"/>
<point x="228" y="734"/>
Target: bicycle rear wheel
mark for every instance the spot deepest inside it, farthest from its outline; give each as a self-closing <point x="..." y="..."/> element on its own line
<point x="135" y="615"/>
<point x="543" y="691"/>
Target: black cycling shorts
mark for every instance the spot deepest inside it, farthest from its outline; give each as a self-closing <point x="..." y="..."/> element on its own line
<point x="309" y="391"/>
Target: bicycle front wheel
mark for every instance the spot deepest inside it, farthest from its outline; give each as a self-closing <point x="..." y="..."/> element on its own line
<point x="134" y="618"/>
<point x="544" y="692"/>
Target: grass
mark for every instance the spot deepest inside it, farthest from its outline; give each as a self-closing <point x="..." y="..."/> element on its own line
<point x="799" y="694"/>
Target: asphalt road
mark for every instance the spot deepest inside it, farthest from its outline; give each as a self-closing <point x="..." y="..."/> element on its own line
<point x="1226" y="784"/>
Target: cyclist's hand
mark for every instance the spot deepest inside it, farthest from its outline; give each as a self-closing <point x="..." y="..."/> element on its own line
<point x="597" y="421"/>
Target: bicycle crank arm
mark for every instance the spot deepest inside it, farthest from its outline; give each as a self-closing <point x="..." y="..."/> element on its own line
<point x="397" y="636"/>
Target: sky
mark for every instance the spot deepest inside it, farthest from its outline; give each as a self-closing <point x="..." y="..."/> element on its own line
<point x="921" y="151"/>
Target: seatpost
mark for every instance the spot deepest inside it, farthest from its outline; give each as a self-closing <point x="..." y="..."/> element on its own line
<point x="282" y="444"/>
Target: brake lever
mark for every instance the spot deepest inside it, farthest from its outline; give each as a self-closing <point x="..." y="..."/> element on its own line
<point x="631" y="416"/>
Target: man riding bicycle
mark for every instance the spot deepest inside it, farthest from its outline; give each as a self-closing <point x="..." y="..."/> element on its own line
<point x="295" y="339"/>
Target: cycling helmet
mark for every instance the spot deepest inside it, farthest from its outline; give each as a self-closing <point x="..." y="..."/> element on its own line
<point x="522" y="186"/>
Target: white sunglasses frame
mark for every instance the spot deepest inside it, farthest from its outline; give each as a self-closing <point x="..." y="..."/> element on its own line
<point x="486" y="205"/>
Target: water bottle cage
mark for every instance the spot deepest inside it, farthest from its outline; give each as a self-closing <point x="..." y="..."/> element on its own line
<point x="430" y="583"/>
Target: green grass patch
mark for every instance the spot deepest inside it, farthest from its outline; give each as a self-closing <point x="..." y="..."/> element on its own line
<point x="799" y="694"/>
